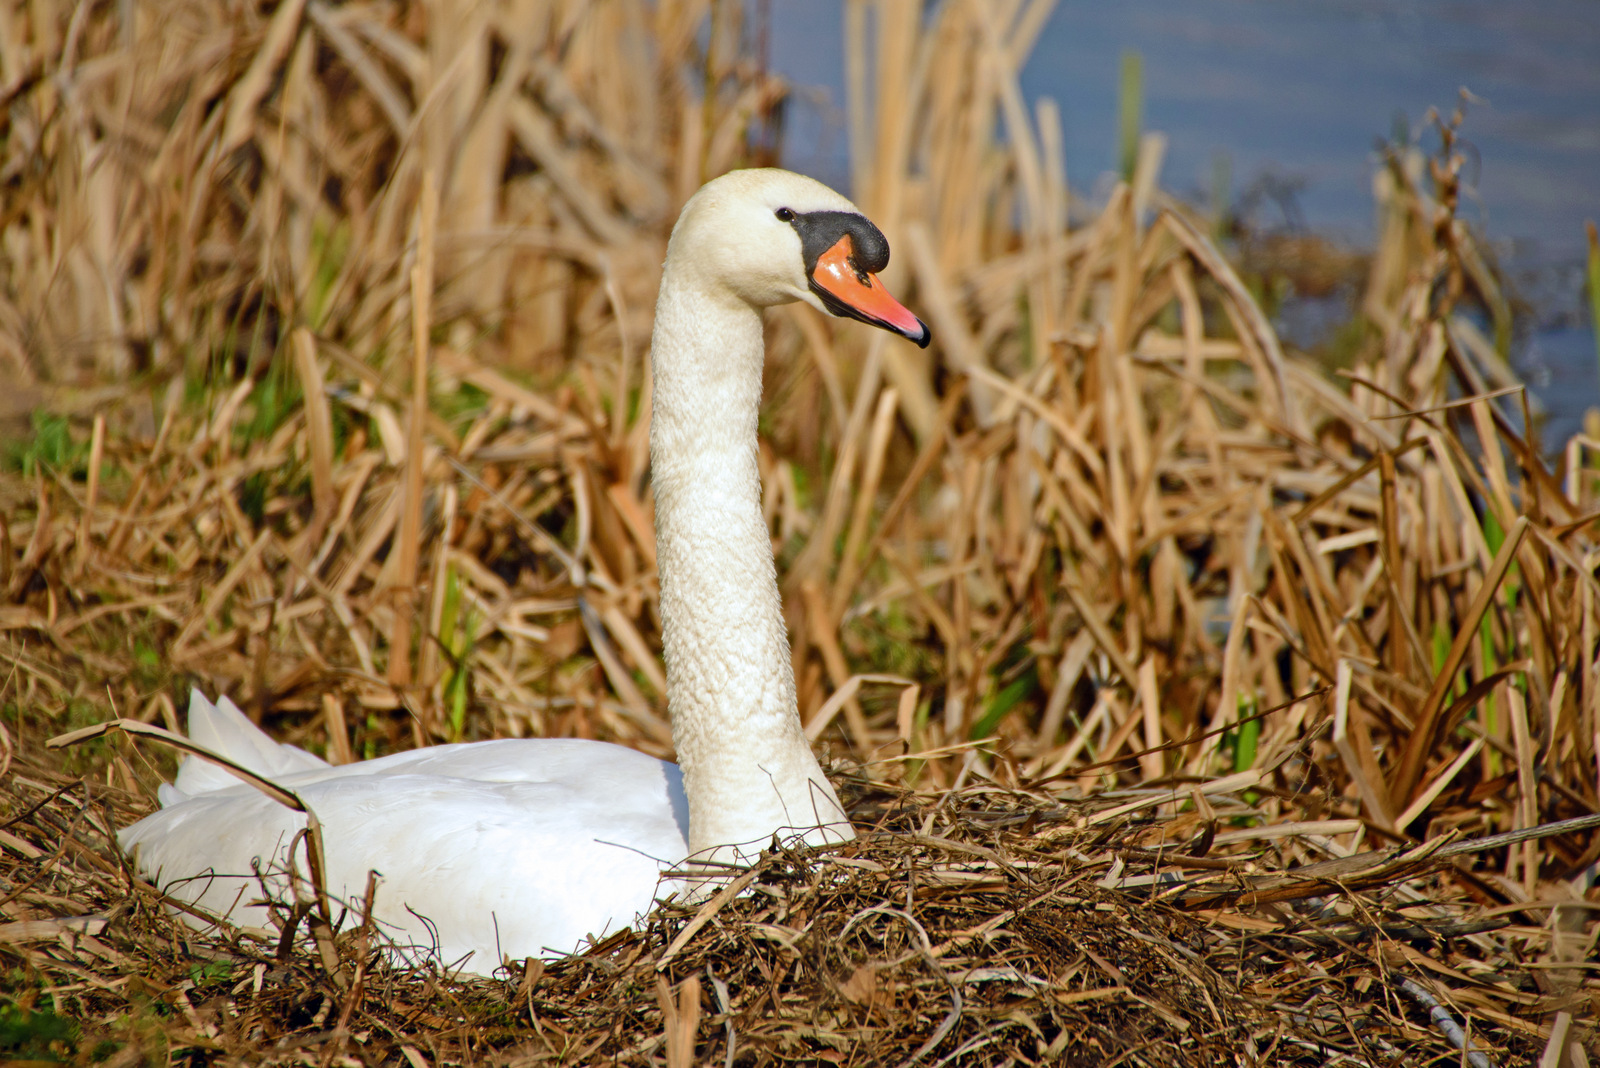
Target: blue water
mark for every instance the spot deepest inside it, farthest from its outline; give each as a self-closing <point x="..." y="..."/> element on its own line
<point x="1298" y="93"/>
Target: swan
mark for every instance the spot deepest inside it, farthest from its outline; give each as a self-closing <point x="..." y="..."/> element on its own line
<point x="528" y="847"/>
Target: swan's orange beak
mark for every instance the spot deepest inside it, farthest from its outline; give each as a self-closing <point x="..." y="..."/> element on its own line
<point x="847" y="290"/>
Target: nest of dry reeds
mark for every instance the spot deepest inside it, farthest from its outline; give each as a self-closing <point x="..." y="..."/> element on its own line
<point x="1197" y="705"/>
<point x="995" y="925"/>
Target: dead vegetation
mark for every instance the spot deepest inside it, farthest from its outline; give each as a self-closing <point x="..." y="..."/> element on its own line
<point x="1184" y="687"/>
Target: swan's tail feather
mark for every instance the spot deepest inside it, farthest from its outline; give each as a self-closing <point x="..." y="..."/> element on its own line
<point x="228" y="732"/>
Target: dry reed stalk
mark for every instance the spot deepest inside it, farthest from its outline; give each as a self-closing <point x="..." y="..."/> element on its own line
<point x="821" y="627"/>
<point x="1150" y="703"/>
<point x="681" y="1016"/>
<point x="97" y="449"/>
<point x="319" y="433"/>
<point x="1422" y="736"/>
<point x="430" y="672"/>
<point x="866" y="495"/>
<point x="338" y="730"/>
<point x="403" y="597"/>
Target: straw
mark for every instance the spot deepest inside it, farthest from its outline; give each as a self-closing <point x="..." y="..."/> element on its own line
<point x="1109" y="515"/>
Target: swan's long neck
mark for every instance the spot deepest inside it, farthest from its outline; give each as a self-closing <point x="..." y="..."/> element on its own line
<point x="748" y="770"/>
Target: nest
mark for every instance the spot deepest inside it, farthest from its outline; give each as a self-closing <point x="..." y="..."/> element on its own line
<point x="996" y="927"/>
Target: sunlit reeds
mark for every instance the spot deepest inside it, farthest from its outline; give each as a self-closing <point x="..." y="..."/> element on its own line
<point x="345" y="311"/>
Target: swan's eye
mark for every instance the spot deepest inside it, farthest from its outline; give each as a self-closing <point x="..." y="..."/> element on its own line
<point x="785" y="215"/>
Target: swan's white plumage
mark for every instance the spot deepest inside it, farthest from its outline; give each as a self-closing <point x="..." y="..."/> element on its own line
<point x="222" y="728"/>
<point x="515" y="848"/>
<point x="523" y="848"/>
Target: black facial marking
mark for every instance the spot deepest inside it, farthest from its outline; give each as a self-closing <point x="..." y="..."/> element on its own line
<point x="869" y="254"/>
<point x="821" y="230"/>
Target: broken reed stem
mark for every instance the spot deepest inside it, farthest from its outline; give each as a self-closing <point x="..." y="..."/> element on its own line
<point x="681" y="1019"/>
<point x="338" y="730"/>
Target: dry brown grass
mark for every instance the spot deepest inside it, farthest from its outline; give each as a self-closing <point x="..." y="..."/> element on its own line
<point x="1100" y="526"/>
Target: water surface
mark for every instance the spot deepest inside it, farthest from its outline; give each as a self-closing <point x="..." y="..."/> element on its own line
<point x="1294" y="95"/>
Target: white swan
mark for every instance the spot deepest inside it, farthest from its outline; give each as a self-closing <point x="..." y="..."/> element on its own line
<point x="520" y="848"/>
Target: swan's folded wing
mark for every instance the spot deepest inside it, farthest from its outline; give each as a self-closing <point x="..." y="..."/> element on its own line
<point x="206" y="849"/>
<point x="479" y="867"/>
<point x="505" y="869"/>
<point x="228" y="732"/>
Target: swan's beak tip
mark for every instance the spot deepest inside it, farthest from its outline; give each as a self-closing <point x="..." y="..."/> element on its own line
<point x="923" y="334"/>
<point x="849" y="291"/>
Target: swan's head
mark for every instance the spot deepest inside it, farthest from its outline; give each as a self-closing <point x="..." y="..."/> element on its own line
<point x="770" y="237"/>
